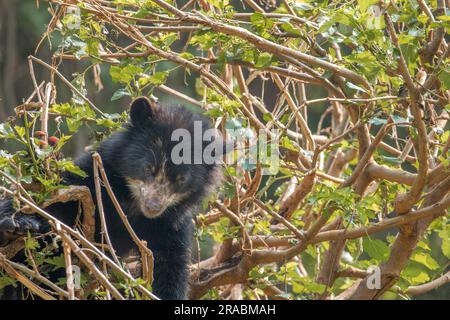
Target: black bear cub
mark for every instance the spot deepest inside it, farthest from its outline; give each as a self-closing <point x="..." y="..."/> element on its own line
<point x="156" y="194"/>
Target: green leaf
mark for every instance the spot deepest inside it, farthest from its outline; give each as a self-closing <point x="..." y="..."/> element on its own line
<point x="71" y="167"/>
<point x="365" y="4"/>
<point x="157" y="79"/>
<point x="377" y="121"/>
<point x="444" y="77"/>
<point x="398" y="119"/>
<point x="73" y="124"/>
<point x="425" y="259"/>
<point x="57" y="261"/>
<point x="170" y="38"/>
<point x="286" y="143"/>
<point x="7" y="281"/>
<point x="124" y="74"/>
<point x="187" y="55"/>
<point x="27" y="179"/>
<point x="267" y="117"/>
<point x="233" y="124"/>
<point x="62" y="141"/>
<point x="376" y="249"/>
<point x="343" y="18"/>
<point x="264" y="59"/>
<point x="20" y="131"/>
<point x="415" y="274"/>
<point x="31" y="243"/>
<point x="445" y="238"/>
<point x="6" y="131"/>
<point x="355" y="87"/>
<point x="259" y="20"/>
<point x="290" y="28"/>
<point x="120" y="94"/>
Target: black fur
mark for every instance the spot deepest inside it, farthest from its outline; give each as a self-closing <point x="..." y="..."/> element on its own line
<point x="136" y="153"/>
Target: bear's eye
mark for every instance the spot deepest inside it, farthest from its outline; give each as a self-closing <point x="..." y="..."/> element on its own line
<point x="181" y="179"/>
<point x="149" y="170"/>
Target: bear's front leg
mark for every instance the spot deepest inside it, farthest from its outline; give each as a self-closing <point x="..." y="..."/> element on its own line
<point x="14" y="224"/>
<point x="171" y="247"/>
<point x="171" y="275"/>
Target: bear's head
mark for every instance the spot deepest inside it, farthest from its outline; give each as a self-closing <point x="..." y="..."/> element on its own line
<point x="172" y="157"/>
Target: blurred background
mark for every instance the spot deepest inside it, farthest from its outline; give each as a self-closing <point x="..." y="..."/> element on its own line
<point x="22" y="26"/>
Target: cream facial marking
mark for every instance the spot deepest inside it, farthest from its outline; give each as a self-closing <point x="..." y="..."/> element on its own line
<point x="154" y="197"/>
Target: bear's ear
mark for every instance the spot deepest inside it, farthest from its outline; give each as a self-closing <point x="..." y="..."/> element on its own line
<point x="141" y="110"/>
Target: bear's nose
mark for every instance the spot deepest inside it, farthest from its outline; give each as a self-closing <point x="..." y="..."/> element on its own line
<point x="153" y="205"/>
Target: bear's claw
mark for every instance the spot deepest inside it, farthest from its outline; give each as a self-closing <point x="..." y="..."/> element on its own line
<point x="15" y="224"/>
<point x="20" y="224"/>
